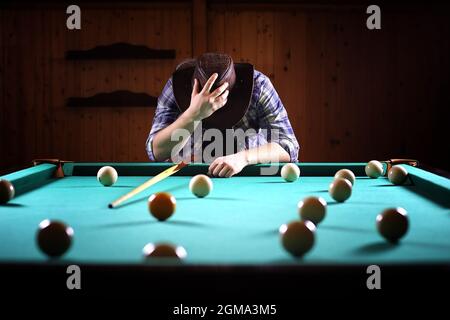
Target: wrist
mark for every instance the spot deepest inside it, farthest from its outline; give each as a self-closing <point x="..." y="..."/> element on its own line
<point x="245" y="157"/>
<point x="190" y="116"/>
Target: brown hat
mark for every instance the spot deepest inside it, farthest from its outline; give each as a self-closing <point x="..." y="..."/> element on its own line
<point x="238" y="75"/>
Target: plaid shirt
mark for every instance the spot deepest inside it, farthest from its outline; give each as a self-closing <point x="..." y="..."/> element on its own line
<point x="266" y="111"/>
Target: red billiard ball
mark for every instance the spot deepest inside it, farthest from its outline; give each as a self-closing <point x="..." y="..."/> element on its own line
<point x="164" y="250"/>
<point x="393" y="223"/>
<point x="297" y="237"/>
<point x="312" y="209"/>
<point x="54" y="238"/>
<point x="162" y="205"/>
<point x="6" y="191"/>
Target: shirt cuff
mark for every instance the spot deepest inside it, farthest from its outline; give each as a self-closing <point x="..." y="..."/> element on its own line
<point x="291" y="148"/>
<point x="149" y="148"/>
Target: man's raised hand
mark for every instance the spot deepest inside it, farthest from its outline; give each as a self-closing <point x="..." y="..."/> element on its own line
<point x="204" y="103"/>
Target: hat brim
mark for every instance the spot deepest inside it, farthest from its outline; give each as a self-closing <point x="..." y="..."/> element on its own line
<point x="238" y="99"/>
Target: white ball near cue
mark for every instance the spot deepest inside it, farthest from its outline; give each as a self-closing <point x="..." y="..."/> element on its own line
<point x="200" y="185"/>
<point x="107" y="176"/>
<point x="290" y="172"/>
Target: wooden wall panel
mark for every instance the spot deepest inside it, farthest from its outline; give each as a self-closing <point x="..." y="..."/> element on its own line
<point x="12" y="134"/>
<point x="38" y="79"/>
<point x="2" y="87"/>
<point x="352" y="94"/>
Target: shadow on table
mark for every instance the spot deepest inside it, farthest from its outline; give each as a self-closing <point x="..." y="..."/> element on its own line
<point x="376" y="247"/>
<point x="126" y="224"/>
<point x="267" y="233"/>
<point x="152" y="221"/>
<point x="12" y="205"/>
<point x="187" y="223"/>
<point x="346" y="229"/>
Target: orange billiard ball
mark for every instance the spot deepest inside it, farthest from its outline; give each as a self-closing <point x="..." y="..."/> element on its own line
<point x="312" y="209"/>
<point x="162" y="205"/>
<point x="164" y="250"/>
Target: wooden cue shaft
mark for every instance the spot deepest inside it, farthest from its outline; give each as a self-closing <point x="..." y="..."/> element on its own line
<point x="149" y="183"/>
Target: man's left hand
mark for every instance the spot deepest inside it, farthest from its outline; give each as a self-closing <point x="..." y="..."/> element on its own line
<point x="228" y="166"/>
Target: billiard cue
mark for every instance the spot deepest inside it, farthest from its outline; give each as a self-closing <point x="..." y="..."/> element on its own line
<point x="166" y="173"/>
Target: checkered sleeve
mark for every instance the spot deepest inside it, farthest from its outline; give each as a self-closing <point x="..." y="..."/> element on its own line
<point x="166" y="113"/>
<point x="273" y="117"/>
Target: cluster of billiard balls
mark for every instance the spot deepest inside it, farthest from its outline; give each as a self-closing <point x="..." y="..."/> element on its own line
<point x="54" y="238"/>
<point x="298" y="237"/>
<point x="396" y="175"/>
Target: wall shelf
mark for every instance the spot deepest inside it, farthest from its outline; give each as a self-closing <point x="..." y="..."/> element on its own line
<point x="120" y="51"/>
<point x="120" y="98"/>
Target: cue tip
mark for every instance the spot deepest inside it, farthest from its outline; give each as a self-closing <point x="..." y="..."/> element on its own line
<point x="110" y="206"/>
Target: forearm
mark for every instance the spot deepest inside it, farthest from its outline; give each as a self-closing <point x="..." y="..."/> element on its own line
<point x="162" y="142"/>
<point x="270" y="152"/>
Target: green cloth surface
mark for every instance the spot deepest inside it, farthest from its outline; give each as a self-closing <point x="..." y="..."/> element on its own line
<point x="236" y="224"/>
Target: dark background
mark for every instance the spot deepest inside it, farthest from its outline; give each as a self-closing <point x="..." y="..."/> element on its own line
<point x="352" y="94"/>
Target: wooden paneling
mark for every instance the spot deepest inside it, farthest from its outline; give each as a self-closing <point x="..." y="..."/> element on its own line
<point x="351" y="94"/>
<point x="36" y="80"/>
<point x="199" y="27"/>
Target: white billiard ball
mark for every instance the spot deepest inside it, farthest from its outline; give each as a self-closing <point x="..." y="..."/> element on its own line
<point x="374" y="169"/>
<point x="346" y="174"/>
<point x="340" y="189"/>
<point x="107" y="176"/>
<point x="397" y="175"/>
<point x="200" y="185"/>
<point x="290" y="172"/>
<point x="312" y="209"/>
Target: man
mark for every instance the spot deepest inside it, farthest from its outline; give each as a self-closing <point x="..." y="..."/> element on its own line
<point x="212" y="92"/>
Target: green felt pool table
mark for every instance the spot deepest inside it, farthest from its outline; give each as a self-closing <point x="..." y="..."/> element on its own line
<point x="231" y="236"/>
